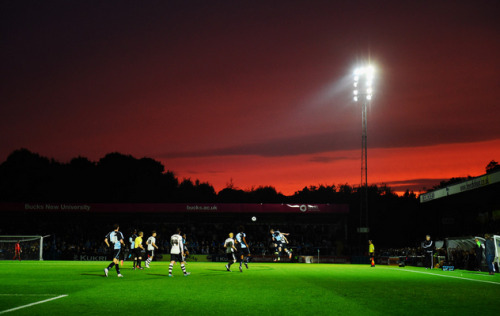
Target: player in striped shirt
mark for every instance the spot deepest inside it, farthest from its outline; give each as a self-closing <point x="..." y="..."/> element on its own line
<point x="230" y="249"/>
<point x="151" y="242"/>
<point x="116" y="239"/>
<point x="177" y="253"/>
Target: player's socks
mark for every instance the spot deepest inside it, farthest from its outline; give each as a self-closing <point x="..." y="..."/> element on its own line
<point x="117" y="269"/>
<point x="170" y="267"/>
<point x="183" y="267"/>
<point x="111" y="265"/>
<point x="135" y="263"/>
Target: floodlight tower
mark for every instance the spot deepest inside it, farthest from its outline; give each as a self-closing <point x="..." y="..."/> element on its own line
<point x="363" y="92"/>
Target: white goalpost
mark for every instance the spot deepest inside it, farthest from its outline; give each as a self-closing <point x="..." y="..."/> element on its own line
<point x="31" y="246"/>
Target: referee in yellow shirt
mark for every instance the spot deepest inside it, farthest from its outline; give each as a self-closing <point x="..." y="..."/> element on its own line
<point x="371" y="251"/>
<point x="138" y="251"/>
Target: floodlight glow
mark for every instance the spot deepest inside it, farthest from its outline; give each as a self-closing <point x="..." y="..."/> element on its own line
<point x="364" y="75"/>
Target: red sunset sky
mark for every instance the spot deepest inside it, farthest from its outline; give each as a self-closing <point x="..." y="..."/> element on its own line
<point x="256" y="92"/>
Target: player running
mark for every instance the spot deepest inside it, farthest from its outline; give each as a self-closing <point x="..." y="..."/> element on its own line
<point x="230" y="249"/>
<point x="116" y="238"/>
<point x="177" y="253"/>
<point x="138" y="248"/>
<point x="151" y="242"/>
<point x="17" y="251"/>
<point x="242" y="246"/>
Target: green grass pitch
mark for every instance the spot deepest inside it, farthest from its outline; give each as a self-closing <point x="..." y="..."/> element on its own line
<point x="264" y="289"/>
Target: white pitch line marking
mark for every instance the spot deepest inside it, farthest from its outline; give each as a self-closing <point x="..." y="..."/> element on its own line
<point x="448" y="276"/>
<point x="5" y="294"/>
<point x="31" y="304"/>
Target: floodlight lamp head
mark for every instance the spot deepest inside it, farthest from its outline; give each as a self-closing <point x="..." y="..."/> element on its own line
<point x="363" y="76"/>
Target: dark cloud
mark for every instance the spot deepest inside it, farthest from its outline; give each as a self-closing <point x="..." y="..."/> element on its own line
<point x="327" y="142"/>
<point x="415" y="185"/>
<point x="328" y="159"/>
<point x="277" y="148"/>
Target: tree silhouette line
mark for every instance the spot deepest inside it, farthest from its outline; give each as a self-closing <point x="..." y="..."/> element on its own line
<point x="117" y="178"/>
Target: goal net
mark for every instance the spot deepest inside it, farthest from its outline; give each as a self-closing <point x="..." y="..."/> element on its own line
<point x="31" y="247"/>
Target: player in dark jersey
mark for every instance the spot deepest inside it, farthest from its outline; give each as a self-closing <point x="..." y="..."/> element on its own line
<point x="114" y="237"/>
<point x="131" y="240"/>
<point x="184" y="242"/>
<point x="280" y="242"/>
<point x="243" y="248"/>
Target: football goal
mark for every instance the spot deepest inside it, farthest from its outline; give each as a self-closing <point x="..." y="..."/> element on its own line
<point x="31" y="247"/>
